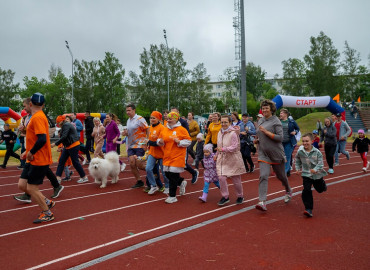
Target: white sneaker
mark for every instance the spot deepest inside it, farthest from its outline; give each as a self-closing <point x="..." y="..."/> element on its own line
<point x="288" y="196"/>
<point x="123" y="167"/>
<point x="83" y="180"/>
<point x="193" y="164"/>
<point x="84" y="162"/>
<point x="336" y="164"/>
<point x="153" y="190"/>
<point x="182" y="187"/>
<point x="166" y="190"/>
<point x="261" y="206"/>
<point x="171" y="200"/>
<point x="368" y="164"/>
<point x="364" y="169"/>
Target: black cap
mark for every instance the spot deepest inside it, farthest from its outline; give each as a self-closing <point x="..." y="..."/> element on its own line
<point x="38" y="99"/>
<point x="338" y="115"/>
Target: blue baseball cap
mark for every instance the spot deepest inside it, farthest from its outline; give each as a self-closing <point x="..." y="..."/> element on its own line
<point x="315" y="132"/>
<point x="38" y="99"/>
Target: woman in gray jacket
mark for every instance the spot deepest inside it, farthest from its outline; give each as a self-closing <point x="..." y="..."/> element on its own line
<point x="329" y="136"/>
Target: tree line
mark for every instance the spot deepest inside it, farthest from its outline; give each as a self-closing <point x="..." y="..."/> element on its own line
<point x="104" y="85"/>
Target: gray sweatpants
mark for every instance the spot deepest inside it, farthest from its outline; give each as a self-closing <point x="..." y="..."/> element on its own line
<point x="279" y="170"/>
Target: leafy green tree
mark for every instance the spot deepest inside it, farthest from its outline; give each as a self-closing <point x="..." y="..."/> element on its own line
<point x="230" y="99"/>
<point x="200" y="90"/>
<point x="255" y="79"/>
<point x="351" y="71"/>
<point x="111" y="84"/>
<point x="9" y="90"/>
<point x="322" y="66"/>
<point x="294" y="75"/>
<point x="86" y="87"/>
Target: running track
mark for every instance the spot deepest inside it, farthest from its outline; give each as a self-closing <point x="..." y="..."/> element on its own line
<point x="121" y="228"/>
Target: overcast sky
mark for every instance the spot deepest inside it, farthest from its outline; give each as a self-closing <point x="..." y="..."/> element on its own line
<point x="33" y="32"/>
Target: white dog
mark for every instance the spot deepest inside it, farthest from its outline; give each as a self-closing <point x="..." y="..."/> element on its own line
<point x="100" y="169"/>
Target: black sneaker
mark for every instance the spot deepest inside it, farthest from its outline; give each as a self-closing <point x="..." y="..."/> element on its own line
<point x="26" y="198"/>
<point x="20" y="167"/>
<point x="195" y="177"/>
<point x="138" y="184"/>
<point x="223" y="201"/>
<point x="239" y="200"/>
<point x="57" y="191"/>
<point x="66" y="179"/>
<point x="251" y="169"/>
<point x="3" y="166"/>
<point x="288" y="174"/>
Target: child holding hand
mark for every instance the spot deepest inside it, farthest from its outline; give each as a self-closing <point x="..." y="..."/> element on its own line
<point x="309" y="163"/>
<point x="210" y="173"/>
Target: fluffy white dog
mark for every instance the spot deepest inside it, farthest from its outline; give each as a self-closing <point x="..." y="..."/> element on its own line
<point x="100" y="169"/>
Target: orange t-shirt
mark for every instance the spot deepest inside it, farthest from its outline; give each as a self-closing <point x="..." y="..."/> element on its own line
<point x="39" y="125"/>
<point x="69" y="160"/>
<point x="154" y="133"/>
<point x="174" y="156"/>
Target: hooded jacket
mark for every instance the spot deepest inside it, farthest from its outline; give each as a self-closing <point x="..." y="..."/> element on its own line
<point x="229" y="160"/>
<point x="310" y="160"/>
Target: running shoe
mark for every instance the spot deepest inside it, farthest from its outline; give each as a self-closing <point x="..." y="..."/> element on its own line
<point x="251" y="169"/>
<point x="166" y="190"/>
<point x="123" y="167"/>
<point x="138" y="184"/>
<point x="347" y="156"/>
<point x="146" y="189"/>
<point x="161" y="189"/>
<point x="223" y="201"/>
<point x="44" y="218"/>
<point x="239" y="200"/>
<point x="66" y="179"/>
<point x="182" y="187"/>
<point x="288" y="196"/>
<point x="57" y="191"/>
<point x="331" y="171"/>
<point x="23" y="198"/>
<point x="153" y="190"/>
<point x="308" y="213"/>
<point x="195" y="177"/>
<point x="83" y="180"/>
<point x="261" y="206"/>
<point x="171" y="200"/>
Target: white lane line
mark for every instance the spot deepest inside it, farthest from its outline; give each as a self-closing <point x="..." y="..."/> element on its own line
<point x="129" y="206"/>
<point x="147" y="242"/>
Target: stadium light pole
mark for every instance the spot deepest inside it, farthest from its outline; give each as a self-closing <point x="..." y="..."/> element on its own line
<point x="67" y="45"/>
<point x="168" y="72"/>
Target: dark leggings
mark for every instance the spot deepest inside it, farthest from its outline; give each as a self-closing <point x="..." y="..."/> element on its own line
<point x="174" y="180"/>
<point x="329" y="153"/>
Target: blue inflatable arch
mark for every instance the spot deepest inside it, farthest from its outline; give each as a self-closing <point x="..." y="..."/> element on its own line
<point x="309" y="102"/>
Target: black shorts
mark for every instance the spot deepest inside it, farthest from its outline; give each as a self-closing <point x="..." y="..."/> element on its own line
<point x="136" y="151"/>
<point x="34" y="174"/>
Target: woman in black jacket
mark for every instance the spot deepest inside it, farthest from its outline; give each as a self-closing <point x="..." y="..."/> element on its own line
<point x="71" y="143"/>
<point x="329" y="136"/>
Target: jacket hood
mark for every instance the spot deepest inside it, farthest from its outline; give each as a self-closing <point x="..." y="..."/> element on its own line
<point x="178" y="124"/>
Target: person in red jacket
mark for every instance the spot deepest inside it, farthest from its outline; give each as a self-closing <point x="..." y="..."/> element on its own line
<point x="175" y="139"/>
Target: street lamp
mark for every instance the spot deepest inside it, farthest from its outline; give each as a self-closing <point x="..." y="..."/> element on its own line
<point x="67" y="45"/>
<point x="168" y="72"/>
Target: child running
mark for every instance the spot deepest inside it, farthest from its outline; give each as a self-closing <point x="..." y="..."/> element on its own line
<point x="199" y="150"/>
<point x="362" y="144"/>
<point x="309" y="163"/>
<point x="210" y="172"/>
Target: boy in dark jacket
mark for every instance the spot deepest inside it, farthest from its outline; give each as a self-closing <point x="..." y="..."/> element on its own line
<point x="362" y="143"/>
<point x="199" y="151"/>
<point x="9" y="137"/>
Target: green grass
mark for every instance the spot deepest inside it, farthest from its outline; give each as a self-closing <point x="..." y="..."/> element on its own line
<point x="307" y="123"/>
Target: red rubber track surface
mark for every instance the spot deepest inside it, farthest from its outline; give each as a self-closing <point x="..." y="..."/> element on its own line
<point x="91" y="222"/>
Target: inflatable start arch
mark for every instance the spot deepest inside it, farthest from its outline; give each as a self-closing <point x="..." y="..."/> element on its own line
<point x="6" y="114"/>
<point x="309" y="102"/>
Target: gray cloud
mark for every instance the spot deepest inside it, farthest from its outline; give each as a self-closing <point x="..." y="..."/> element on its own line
<point x="33" y="32"/>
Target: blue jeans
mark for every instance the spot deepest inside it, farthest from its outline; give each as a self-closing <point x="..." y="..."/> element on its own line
<point x="150" y="164"/>
<point x="206" y="186"/>
<point x="73" y="153"/>
<point x="341" y="147"/>
<point x="288" y="150"/>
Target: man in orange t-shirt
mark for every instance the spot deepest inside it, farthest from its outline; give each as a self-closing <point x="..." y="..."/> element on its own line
<point x="38" y="155"/>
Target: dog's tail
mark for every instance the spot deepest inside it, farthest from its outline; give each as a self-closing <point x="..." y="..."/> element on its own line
<point x="112" y="157"/>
